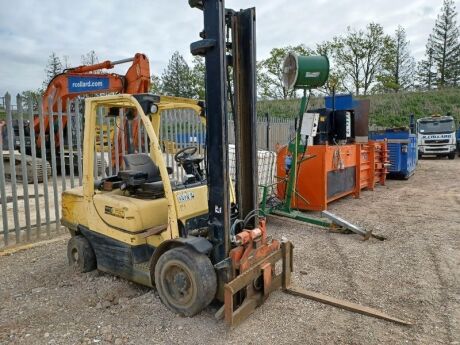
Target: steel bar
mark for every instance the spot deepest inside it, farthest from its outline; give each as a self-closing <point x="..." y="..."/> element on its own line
<point x="41" y="116"/>
<point x="356" y="308"/>
<point x="116" y="148"/>
<point x="346" y="224"/>
<point x="146" y="141"/>
<point x="69" y="126"/>
<point x="3" y="196"/>
<point x="25" y="178"/>
<point x="53" y="164"/>
<point x="101" y="140"/>
<point x="117" y="62"/>
<point x="139" y="137"/>
<point x="123" y="135"/>
<point x="78" y="123"/>
<point x="33" y="149"/>
<point x="61" y="145"/>
<point x="109" y="144"/>
<point x="10" y="131"/>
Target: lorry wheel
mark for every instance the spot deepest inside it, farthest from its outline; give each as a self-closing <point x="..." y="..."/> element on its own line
<point x="419" y="155"/>
<point x="81" y="254"/>
<point x="185" y="280"/>
<point x="451" y="155"/>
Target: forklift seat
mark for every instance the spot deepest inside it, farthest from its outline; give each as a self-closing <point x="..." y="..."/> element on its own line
<point x="142" y="163"/>
<point x="142" y="176"/>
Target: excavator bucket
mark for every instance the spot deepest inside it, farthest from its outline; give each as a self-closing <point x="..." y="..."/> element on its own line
<point x="261" y="266"/>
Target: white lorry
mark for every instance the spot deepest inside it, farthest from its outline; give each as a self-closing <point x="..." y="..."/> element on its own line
<point x="436" y="136"/>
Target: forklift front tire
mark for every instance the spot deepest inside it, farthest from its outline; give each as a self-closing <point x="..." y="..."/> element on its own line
<point x="185" y="280"/>
<point x="81" y="254"/>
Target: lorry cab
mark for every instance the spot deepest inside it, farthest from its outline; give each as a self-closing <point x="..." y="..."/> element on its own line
<point x="436" y="136"/>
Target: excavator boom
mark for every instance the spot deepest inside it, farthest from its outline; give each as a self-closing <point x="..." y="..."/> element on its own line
<point x="82" y="80"/>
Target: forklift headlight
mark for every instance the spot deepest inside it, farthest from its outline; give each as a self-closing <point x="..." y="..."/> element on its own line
<point x="153" y="108"/>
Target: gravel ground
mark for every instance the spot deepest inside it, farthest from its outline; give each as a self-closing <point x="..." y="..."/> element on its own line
<point x="413" y="275"/>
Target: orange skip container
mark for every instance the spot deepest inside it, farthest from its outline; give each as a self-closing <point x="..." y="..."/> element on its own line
<point x="333" y="172"/>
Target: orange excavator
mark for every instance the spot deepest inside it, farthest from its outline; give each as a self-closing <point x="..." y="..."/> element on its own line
<point x="83" y="80"/>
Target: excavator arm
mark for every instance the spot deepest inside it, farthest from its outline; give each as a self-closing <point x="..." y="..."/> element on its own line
<point x="82" y="80"/>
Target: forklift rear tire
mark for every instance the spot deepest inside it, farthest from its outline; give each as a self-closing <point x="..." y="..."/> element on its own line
<point x="81" y="254"/>
<point x="185" y="280"/>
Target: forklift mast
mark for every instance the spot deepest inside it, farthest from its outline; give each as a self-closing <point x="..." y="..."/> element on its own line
<point x="213" y="47"/>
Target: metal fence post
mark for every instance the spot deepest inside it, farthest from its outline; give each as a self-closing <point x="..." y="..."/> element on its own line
<point x="10" y="130"/>
<point x="33" y="152"/>
<point x="61" y="145"/>
<point x="25" y="178"/>
<point x="41" y="116"/>
<point x="6" y="230"/>
<point x="69" y="126"/>
<point x="53" y="163"/>
<point x="78" y="122"/>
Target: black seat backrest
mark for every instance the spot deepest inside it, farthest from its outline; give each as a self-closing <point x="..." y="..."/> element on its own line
<point x="141" y="162"/>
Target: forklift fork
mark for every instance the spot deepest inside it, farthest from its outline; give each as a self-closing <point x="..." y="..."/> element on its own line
<point x="253" y="285"/>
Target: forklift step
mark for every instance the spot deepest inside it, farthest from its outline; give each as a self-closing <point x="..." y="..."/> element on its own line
<point x="142" y="273"/>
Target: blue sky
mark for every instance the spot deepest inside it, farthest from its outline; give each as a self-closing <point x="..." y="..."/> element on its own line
<point x="31" y="30"/>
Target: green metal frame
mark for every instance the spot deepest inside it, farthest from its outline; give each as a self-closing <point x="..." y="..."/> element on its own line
<point x="285" y="209"/>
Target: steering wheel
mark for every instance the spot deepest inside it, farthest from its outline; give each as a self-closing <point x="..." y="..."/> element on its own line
<point x="184" y="153"/>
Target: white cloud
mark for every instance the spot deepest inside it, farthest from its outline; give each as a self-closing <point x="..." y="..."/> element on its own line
<point x="31" y="30"/>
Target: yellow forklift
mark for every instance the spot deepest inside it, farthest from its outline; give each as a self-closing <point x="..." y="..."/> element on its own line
<point x="201" y="238"/>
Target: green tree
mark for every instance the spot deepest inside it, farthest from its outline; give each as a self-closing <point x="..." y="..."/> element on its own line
<point x="270" y="72"/>
<point x="336" y="80"/>
<point x="33" y="95"/>
<point x="426" y="69"/>
<point x="53" y="68"/>
<point x="89" y="58"/>
<point x="177" y="78"/>
<point x="446" y="47"/>
<point x="398" y="64"/>
<point x="349" y="55"/>
<point x="376" y="47"/>
<point x="155" y="85"/>
<point x="198" y="77"/>
<point x="360" y="55"/>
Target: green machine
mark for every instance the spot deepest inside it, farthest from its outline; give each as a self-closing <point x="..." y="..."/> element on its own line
<point x="304" y="73"/>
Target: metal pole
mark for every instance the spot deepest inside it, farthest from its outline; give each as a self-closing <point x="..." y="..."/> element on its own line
<point x="33" y="149"/>
<point x="291" y="184"/>
<point x="268" y="131"/>
<point x="101" y="140"/>
<point x="3" y="196"/>
<point x="69" y="126"/>
<point x="25" y="179"/>
<point x="109" y="143"/>
<point x="116" y="148"/>
<point x="123" y="134"/>
<point x="41" y="116"/>
<point x="53" y="165"/>
<point x="118" y="62"/>
<point x="10" y="130"/>
<point x="61" y="145"/>
<point x="78" y="122"/>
